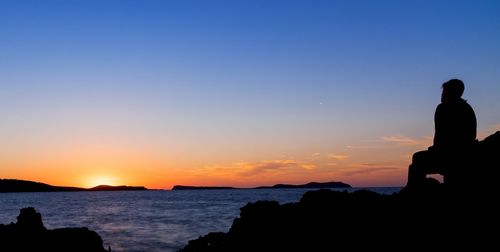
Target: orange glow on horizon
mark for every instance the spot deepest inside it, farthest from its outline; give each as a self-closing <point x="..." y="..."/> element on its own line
<point x="385" y="163"/>
<point x="159" y="174"/>
<point x="102" y="180"/>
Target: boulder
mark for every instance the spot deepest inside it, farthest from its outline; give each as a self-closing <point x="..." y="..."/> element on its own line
<point x="29" y="234"/>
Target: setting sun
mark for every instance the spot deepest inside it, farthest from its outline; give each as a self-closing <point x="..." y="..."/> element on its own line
<point x="101" y="180"/>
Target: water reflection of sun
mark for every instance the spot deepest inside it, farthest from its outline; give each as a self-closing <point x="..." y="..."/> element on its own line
<point x="101" y="180"/>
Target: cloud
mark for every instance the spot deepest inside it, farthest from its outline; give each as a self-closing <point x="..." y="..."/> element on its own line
<point x="408" y="141"/>
<point x="273" y="165"/>
<point x="368" y="168"/>
<point x="488" y="131"/>
<point x="308" y="166"/>
<point x="362" y="147"/>
<point x="337" y="157"/>
<point x="495" y="127"/>
<point x="259" y="167"/>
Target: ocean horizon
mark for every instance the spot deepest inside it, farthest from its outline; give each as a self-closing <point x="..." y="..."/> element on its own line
<point x="156" y="220"/>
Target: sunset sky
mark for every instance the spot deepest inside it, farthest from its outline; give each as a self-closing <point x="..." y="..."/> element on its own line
<point x="235" y="93"/>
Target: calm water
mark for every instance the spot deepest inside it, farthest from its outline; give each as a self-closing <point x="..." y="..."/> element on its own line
<point x="144" y="220"/>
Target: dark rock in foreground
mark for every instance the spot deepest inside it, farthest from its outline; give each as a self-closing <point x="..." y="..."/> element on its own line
<point x="326" y="220"/>
<point x="29" y="234"/>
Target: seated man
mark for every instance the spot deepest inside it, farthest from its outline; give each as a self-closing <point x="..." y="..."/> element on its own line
<point x="455" y="130"/>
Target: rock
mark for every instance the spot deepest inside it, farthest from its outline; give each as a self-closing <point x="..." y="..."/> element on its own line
<point x="327" y="220"/>
<point x="29" y="220"/>
<point x="29" y="234"/>
<point x="478" y="166"/>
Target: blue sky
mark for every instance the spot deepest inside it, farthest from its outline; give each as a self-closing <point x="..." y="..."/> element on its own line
<point x="225" y="81"/>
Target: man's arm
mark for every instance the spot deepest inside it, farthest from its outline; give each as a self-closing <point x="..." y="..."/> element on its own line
<point x="438" y="127"/>
<point x="471" y="123"/>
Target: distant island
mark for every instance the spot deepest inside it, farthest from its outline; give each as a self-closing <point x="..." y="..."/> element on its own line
<point x="311" y="185"/>
<point x="14" y="185"/>
<point x="182" y="187"/>
<point x="117" y="188"/>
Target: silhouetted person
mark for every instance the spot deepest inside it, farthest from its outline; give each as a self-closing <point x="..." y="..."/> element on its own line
<point x="455" y="131"/>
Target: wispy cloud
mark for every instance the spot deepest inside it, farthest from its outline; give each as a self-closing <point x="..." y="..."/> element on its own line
<point x="408" y="141"/>
<point x="273" y="165"/>
<point x="338" y="157"/>
<point x="260" y="167"/>
<point x="363" y="147"/>
<point x="367" y="168"/>
<point x="488" y="131"/>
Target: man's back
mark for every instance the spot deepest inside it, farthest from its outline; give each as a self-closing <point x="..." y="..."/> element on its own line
<point x="455" y="125"/>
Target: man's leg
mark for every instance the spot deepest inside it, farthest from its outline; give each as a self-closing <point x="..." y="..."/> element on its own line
<point x="423" y="163"/>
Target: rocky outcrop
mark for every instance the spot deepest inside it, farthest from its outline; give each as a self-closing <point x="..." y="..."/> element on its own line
<point x="29" y="234"/>
<point x="460" y="214"/>
<point x="326" y="220"/>
<point x="477" y="166"/>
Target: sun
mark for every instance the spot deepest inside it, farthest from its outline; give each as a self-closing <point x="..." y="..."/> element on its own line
<point x="101" y="180"/>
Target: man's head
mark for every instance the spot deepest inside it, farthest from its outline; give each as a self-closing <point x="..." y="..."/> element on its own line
<point x="452" y="90"/>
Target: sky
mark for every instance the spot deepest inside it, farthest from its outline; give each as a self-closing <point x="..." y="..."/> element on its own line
<point x="235" y="93"/>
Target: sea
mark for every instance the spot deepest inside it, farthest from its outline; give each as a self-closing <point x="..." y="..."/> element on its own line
<point x="154" y="220"/>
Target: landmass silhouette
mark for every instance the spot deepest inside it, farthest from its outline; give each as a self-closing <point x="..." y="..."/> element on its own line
<point x="14" y="185"/>
<point x="310" y="185"/>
